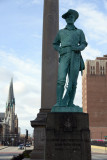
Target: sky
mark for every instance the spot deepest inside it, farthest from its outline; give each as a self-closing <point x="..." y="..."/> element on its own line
<point x="21" y="49"/>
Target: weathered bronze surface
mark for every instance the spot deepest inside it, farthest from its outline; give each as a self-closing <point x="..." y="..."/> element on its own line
<point x="69" y="42"/>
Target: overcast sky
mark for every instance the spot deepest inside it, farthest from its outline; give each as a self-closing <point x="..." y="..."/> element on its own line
<point x="21" y="48"/>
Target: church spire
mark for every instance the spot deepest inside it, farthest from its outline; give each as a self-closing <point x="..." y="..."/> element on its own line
<point x="11" y="99"/>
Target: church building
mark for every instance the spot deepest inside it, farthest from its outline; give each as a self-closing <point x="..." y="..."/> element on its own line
<point x="9" y="120"/>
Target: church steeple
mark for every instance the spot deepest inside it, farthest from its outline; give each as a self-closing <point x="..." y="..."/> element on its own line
<point x="10" y="116"/>
<point x="11" y="99"/>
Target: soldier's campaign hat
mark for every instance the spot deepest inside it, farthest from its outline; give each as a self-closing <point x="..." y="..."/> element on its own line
<point x="71" y="12"/>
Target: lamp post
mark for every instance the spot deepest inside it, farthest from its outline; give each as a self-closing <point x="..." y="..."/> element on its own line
<point x="26" y="137"/>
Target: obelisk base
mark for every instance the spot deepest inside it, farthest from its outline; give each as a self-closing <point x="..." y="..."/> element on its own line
<point x="39" y="125"/>
<point x="67" y="137"/>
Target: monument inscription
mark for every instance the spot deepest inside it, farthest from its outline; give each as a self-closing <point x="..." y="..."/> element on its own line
<point x="67" y="137"/>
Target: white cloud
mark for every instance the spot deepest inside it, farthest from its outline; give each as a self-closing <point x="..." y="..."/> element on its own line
<point x="69" y="3"/>
<point x="37" y="36"/>
<point x="36" y="1"/>
<point x="94" y="20"/>
<point x="27" y="3"/>
<point x="105" y="3"/>
<point x="95" y="24"/>
<point x="91" y="19"/>
<point x="91" y="53"/>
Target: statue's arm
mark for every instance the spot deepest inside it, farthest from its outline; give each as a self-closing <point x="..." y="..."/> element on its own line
<point x="82" y="43"/>
<point x="56" y="43"/>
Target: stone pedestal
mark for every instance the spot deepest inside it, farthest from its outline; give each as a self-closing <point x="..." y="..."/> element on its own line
<point x="67" y="137"/>
<point x="39" y="125"/>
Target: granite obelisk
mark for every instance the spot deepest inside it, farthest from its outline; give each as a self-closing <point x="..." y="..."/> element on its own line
<point x="49" y="57"/>
<point x="49" y="75"/>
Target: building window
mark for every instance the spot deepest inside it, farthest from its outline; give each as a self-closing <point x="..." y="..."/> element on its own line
<point x="92" y="70"/>
<point x="102" y="70"/>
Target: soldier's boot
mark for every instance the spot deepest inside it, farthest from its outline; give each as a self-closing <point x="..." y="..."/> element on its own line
<point x="60" y="90"/>
<point x="66" y="98"/>
<point x="72" y="96"/>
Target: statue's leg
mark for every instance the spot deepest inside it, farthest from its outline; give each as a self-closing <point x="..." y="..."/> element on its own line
<point x="62" y="72"/>
<point x="67" y="94"/>
<point x="73" y="76"/>
<point x="72" y="96"/>
<point x="60" y="90"/>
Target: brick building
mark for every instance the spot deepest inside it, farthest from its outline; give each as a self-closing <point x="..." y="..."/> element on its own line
<point x="94" y="95"/>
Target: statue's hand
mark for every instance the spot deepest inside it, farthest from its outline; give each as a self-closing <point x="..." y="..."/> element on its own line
<point x="76" y="49"/>
<point x="60" y="50"/>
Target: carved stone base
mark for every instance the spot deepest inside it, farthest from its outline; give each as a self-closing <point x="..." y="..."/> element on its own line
<point x="39" y="125"/>
<point x="67" y="137"/>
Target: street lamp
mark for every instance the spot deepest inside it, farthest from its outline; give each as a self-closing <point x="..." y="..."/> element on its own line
<point x="26" y="137"/>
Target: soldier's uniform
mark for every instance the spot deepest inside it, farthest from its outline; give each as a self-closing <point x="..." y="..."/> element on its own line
<point x="69" y="42"/>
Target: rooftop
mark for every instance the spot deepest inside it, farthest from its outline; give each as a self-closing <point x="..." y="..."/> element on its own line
<point x="102" y="58"/>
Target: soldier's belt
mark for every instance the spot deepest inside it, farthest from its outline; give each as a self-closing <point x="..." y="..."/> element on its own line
<point x="66" y="49"/>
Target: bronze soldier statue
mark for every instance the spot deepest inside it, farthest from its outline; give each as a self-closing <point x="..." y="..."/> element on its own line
<point x="69" y="42"/>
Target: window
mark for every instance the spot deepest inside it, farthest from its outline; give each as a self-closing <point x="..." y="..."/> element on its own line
<point x="92" y="70"/>
<point x="102" y="70"/>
